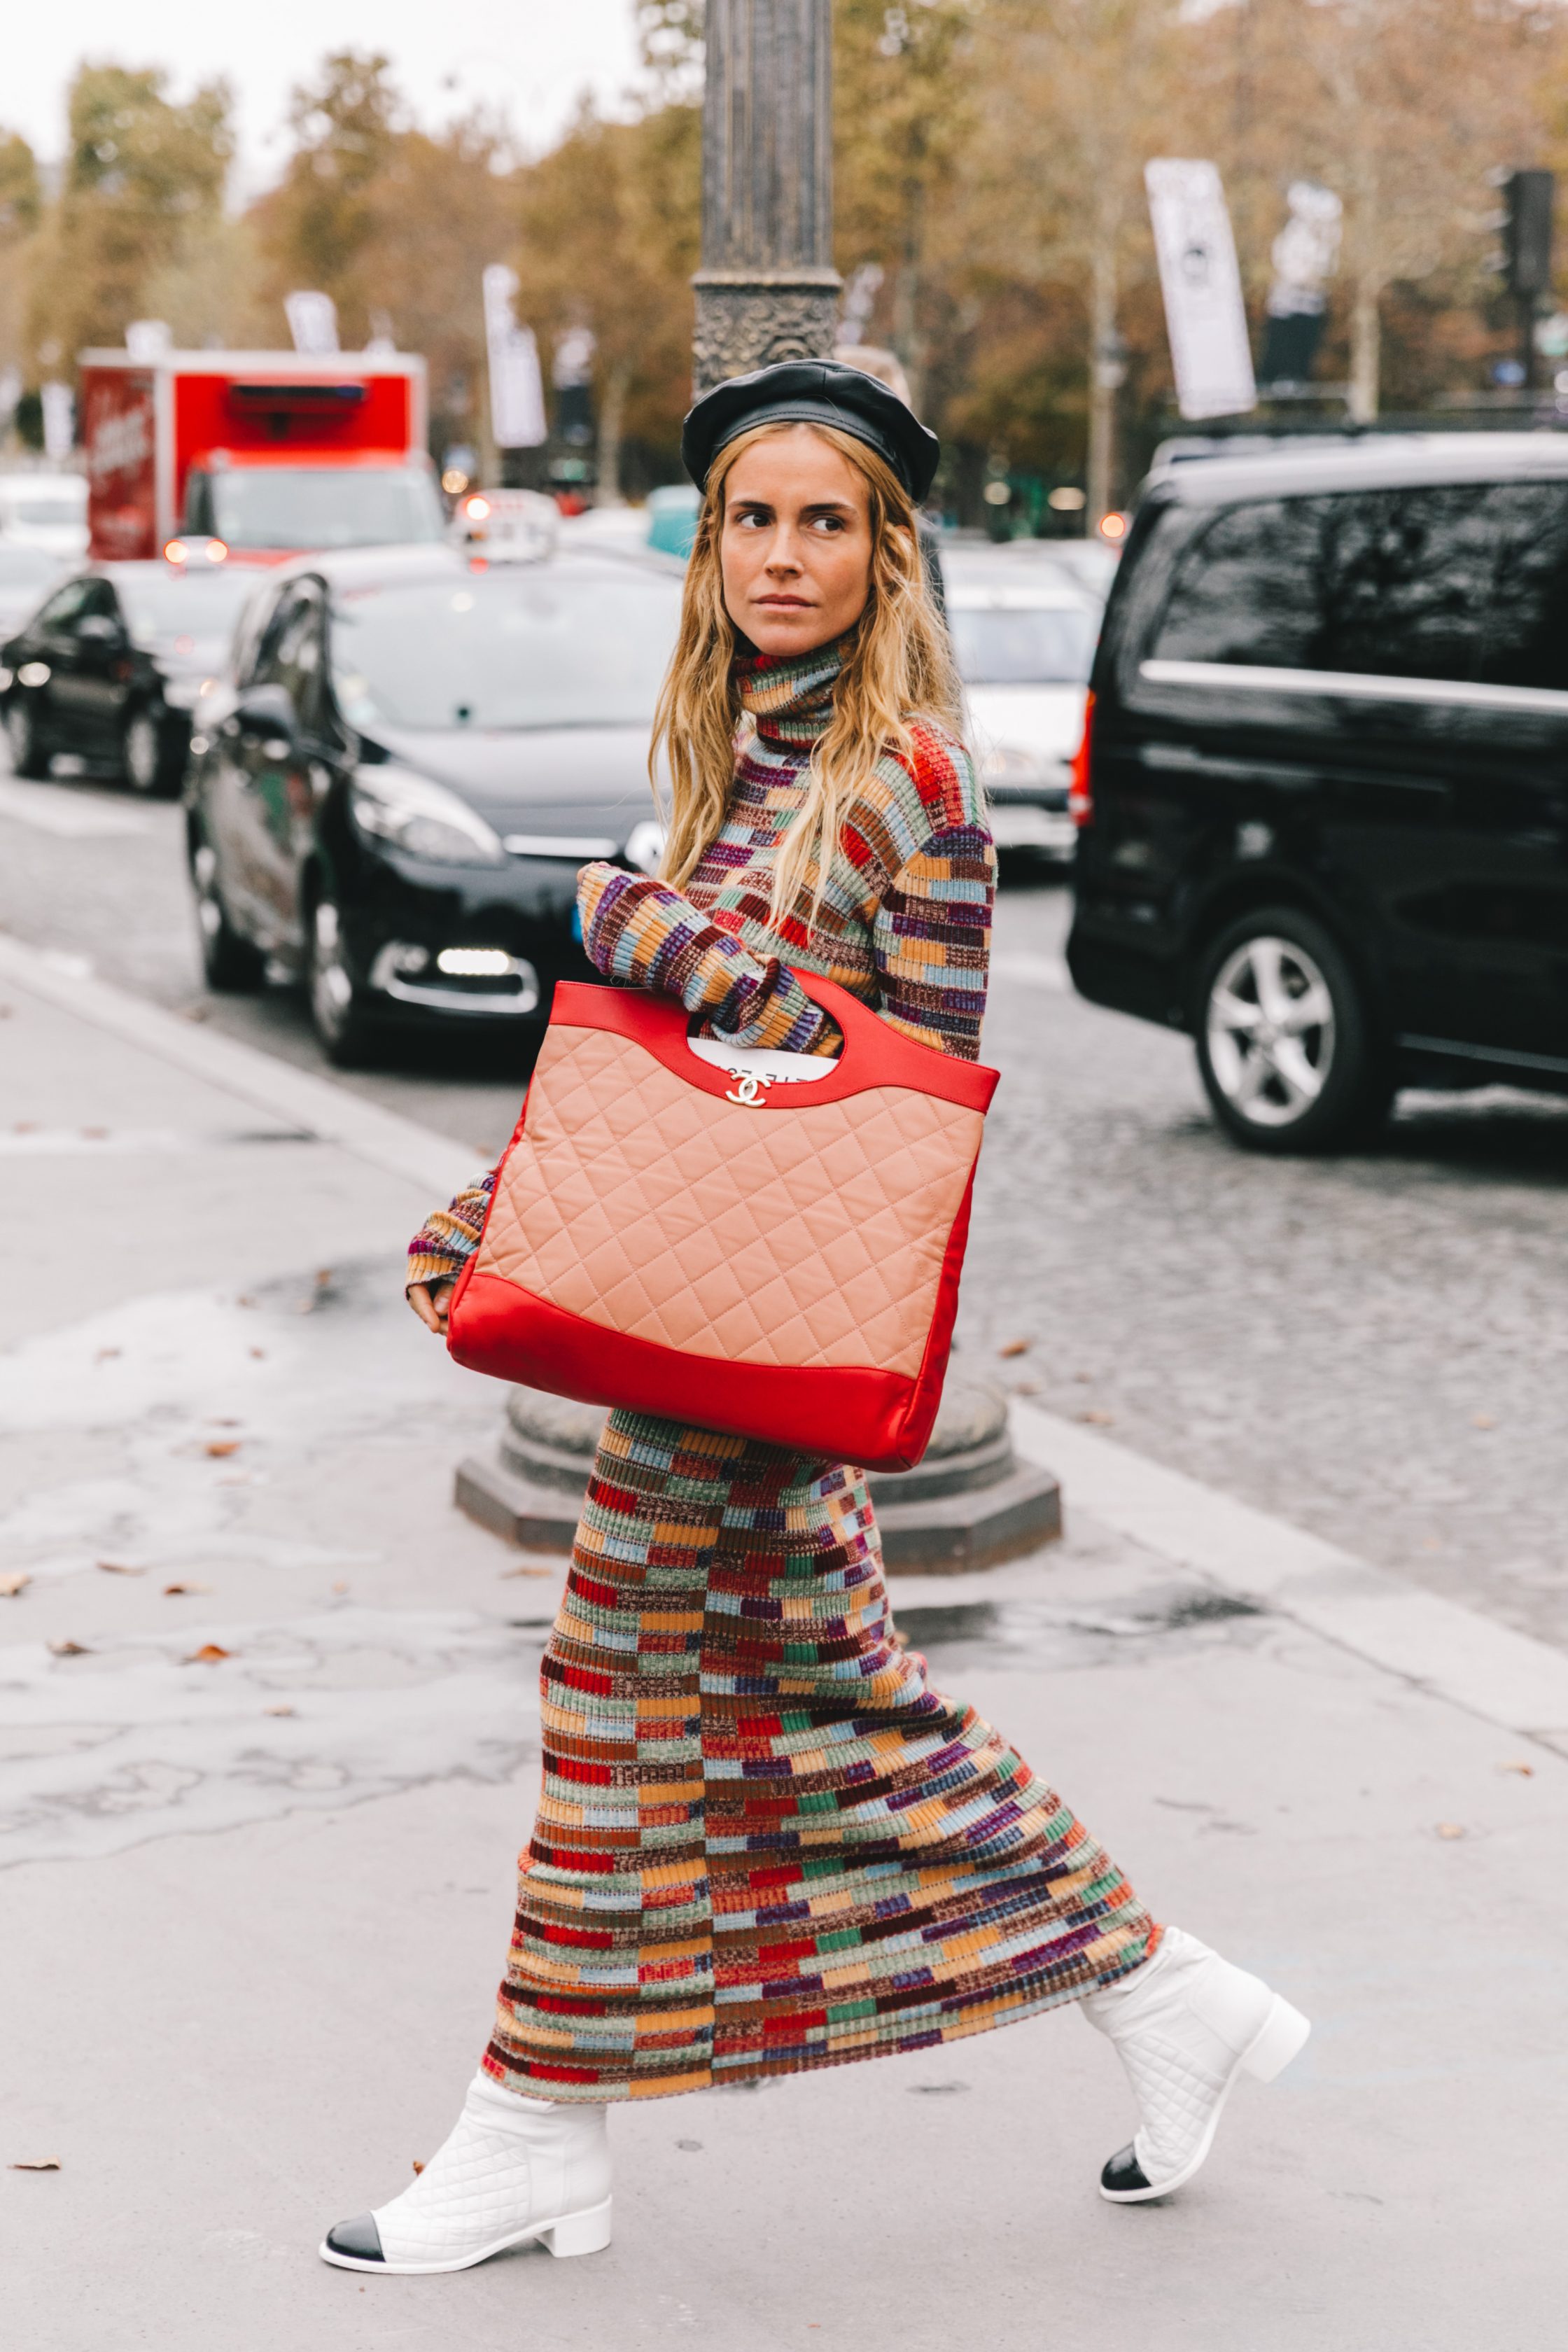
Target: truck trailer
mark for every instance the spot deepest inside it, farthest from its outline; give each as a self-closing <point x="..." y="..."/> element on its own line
<point x="269" y="453"/>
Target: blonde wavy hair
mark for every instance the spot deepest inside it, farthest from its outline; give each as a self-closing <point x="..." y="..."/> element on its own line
<point x="899" y="669"/>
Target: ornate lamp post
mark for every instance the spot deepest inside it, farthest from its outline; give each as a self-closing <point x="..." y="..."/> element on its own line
<point x="767" y="289"/>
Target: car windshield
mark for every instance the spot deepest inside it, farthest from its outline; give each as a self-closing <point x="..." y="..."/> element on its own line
<point x="521" y="646"/>
<point x="169" y="603"/>
<point x="324" y="506"/>
<point x="1021" y="645"/>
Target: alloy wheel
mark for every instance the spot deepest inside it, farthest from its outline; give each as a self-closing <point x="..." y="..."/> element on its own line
<point x="142" y="751"/>
<point x="1270" y="1031"/>
<point x="331" y="987"/>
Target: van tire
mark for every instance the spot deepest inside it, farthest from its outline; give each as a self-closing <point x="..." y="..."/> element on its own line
<point x="1286" y="1050"/>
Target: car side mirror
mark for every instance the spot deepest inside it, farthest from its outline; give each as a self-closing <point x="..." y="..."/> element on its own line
<point x="268" y="711"/>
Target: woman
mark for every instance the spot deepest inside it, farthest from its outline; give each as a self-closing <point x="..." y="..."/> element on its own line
<point x="765" y="1843"/>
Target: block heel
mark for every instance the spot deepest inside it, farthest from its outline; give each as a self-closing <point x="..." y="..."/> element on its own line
<point x="579" y="2233"/>
<point x="1282" y="2036"/>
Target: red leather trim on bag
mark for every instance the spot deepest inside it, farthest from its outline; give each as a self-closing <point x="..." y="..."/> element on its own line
<point x="874" y="1054"/>
<point x="878" y="1421"/>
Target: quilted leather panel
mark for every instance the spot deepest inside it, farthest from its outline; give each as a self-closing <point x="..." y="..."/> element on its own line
<point x="806" y="1237"/>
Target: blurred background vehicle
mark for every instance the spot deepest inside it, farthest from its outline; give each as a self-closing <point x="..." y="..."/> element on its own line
<point x="46" y="511"/>
<point x="412" y="754"/>
<point x="1323" y="806"/>
<point x="113" y="666"/>
<point x="1023" y="634"/>
<point x="25" y="574"/>
<point x="272" y="452"/>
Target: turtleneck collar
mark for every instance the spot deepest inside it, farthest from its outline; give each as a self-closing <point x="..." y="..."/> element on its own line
<point x="791" y="696"/>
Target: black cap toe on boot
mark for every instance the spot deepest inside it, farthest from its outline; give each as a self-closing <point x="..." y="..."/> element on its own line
<point x="1123" y="2176"/>
<point x="359" y="2239"/>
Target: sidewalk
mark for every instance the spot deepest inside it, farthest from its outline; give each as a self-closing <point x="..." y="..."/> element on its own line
<point x="255" y="1906"/>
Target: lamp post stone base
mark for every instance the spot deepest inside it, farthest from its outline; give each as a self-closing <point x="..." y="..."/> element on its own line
<point x="970" y="1505"/>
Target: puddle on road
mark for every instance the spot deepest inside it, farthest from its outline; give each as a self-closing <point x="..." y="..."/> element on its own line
<point x="1049" y="1633"/>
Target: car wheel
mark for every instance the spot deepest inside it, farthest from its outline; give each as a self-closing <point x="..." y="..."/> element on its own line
<point x="29" y="755"/>
<point x="1286" y="1049"/>
<point x="145" y="753"/>
<point x="337" y="1007"/>
<point x="228" y="959"/>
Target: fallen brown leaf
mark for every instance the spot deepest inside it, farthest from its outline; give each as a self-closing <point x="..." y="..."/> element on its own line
<point x="173" y="1592"/>
<point x="340" y="1588"/>
<point x="258" y="1353"/>
<point x="37" y="2164"/>
<point x="277" y="1710"/>
<point x="208" y="1654"/>
<point x="243" y="1301"/>
<point x="221" y="1447"/>
<point x="103" y="1354"/>
<point x="527" y="1571"/>
<point x="417" y="2166"/>
<point x="119" y="1568"/>
<point x="15" y="1581"/>
<point x="1483" y="1421"/>
<point x="1525" y="1772"/>
<point x="1102" y="1419"/>
<point x="70" y="1649"/>
<point x="1015" y="1347"/>
<point x="1451" y="1829"/>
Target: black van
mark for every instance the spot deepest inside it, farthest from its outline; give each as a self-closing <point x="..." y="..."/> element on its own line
<point x="1324" y="794"/>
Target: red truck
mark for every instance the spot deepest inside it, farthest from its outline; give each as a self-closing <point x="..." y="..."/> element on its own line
<point x="272" y="452"/>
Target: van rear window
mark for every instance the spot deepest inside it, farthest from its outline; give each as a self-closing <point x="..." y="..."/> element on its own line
<point x="1387" y="582"/>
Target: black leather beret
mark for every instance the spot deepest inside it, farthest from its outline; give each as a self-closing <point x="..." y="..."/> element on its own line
<point x="812" y="392"/>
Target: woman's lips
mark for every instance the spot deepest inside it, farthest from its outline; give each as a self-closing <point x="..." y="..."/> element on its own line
<point x="781" y="604"/>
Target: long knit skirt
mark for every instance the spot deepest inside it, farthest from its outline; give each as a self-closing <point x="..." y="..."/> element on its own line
<point x="765" y="1842"/>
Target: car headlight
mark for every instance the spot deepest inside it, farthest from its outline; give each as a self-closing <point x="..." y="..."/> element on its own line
<point x="422" y="818"/>
<point x="185" y="693"/>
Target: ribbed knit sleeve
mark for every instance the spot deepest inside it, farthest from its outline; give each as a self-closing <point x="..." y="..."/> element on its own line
<point x="931" y="939"/>
<point x="647" y="934"/>
<point x="448" y="1237"/>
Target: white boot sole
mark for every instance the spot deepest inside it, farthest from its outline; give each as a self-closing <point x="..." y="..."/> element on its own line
<point x="571" y="2233"/>
<point x="1281" y="2037"/>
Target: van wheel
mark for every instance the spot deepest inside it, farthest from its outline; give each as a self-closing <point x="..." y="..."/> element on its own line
<point x="147" y="760"/>
<point x="1285" y="1047"/>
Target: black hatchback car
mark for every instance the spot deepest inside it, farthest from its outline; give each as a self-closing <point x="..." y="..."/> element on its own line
<point x="113" y="664"/>
<point x="412" y="754"/>
<point x="1323" y="793"/>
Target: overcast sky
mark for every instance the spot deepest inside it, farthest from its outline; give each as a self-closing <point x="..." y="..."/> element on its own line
<point x="533" y="57"/>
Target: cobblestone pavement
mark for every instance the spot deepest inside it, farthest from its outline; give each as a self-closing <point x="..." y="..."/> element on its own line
<point x="1372" y="1346"/>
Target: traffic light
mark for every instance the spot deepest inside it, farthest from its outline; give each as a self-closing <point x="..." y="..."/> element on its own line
<point x="1527" y="233"/>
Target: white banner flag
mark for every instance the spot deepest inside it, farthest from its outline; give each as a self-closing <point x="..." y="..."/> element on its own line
<point x="312" y="321"/>
<point x="516" y="388"/>
<point x="1205" y="316"/>
<point x="59" y="421"/>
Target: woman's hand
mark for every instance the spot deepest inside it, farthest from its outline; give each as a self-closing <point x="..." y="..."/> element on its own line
<point x="431" y="1301"/>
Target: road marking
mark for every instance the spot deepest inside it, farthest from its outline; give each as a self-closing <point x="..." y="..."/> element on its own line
<point x="302" y="1100"/>
<point x="1456" y="1652"/>
<point x="1034" y="971"/>
<point x="70" y="815"/>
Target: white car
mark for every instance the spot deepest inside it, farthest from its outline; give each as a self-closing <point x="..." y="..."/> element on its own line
<point x="47" y="511"/>
<point x="1024" y="634"/>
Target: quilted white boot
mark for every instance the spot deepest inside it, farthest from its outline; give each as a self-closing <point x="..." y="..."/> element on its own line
<point x="514" y="2169"/>
<point x="1184" y="2025"/>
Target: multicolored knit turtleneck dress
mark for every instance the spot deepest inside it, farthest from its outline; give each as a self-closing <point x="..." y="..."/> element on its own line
<point x="764" y="1842"/>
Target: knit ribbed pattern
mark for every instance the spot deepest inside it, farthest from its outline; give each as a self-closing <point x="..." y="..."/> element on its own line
<point x="764" y="1842"/>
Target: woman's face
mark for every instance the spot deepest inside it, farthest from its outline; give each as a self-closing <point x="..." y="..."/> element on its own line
<point x="796" y="551"/>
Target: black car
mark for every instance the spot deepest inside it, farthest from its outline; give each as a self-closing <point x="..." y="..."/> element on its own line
<point x="413" y="753"/>
<point x="1323" y="796"/>
<point x="113" y="664"/>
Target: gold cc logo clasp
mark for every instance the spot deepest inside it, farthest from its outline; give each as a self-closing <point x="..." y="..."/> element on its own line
<point x="751" y="1089"/>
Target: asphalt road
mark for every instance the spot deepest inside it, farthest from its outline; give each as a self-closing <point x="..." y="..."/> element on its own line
<point x="1372" y="1346"/>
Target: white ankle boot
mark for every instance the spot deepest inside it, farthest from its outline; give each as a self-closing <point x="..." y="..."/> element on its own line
<point x="514" y="2169"/>
<point x="1184" y="2025"/>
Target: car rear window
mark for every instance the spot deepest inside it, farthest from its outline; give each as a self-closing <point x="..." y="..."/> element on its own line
<point x="1021" y="645"/>
<point x="1388" y="582"/>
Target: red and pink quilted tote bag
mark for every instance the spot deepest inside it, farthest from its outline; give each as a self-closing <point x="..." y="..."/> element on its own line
<point x="773" y="1260"/>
